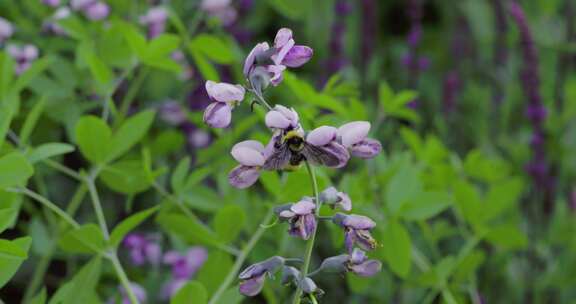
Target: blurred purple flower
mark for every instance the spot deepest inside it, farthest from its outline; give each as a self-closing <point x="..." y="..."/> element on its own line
<point x="336" y="199"/>
<point x="221" y="9"/>
<point x="184" y="267"/>
<point x="51" y="25"/>
<point x="300" y="216"/>
<point x="138" y="291"/>
<point x="142" y="249"/>
<point x="253" y="277"/>
<point x="24" y="56"/>
<point x="92" y="9"/>
<point x="187" y="70"/>
<point x="52" y="3"/>
<point x="155" y="20"/>
<point x="450" y="89"/>
<point x="357" y="230"/>
<point x="6" y="29"/>
<point x="172" y="113"/>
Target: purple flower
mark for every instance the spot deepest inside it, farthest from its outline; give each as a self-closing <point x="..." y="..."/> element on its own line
<point x="52" y="26"/>
<point x="353" y="136"/>
<point x="282" y="118"/>
<point x="271" y="62"/>
<point x="253" y="277"/>
<point x="326" y="138"/>
<point x="138" y="291"/>
<point x="97" y="11"/>
<point x="6" y="29"/>
<point x="187" y="70"/>
<point x="52" y="3"/>
<point x="300" y="216"/>
<point x="198" y="138"/>
<point x="357" y="262"/>
<point x="251" y="155"/>
<point x="219" y="113"/>
<point x="172" y="113"/>
<point x="357" y="230"/>
<point x="24" y="56"/>
<point x="142" y="249"/>
<point x="184" y="267"/>
<point x="336" y="199"/>
<point x="220" y="9"/>
<point x="155" y="20"/>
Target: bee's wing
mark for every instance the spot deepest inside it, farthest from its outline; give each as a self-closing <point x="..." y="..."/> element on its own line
<point x="279" y="158"/>
<point x="318" y="156"/>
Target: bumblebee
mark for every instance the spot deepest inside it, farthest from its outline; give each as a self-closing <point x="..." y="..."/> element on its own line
<point x="290" y="149"/>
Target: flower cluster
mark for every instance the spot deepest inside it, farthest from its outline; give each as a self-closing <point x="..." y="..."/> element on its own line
<point x="155" y="21"/>
<point x="24" y="56"/>
<point x="144" y="249"/>
<point x="289" y="147"/>
<point x="536" y="112"/>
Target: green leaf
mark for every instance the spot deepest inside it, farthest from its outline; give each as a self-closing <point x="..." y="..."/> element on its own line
<point x="502" y="196"/>
<point x="398" y="248"/>
<point x="425" y="205"/>
<point x="127" y="176"/>
<point x="507" y="236"/>
<point x="94" y="138"/>
<point x="213" y="48"/>
<point x="31" y="120"/>
<point x="14" y="170"/>
<point x="10" y="250"/>
<point x="205" y="68"/>
<point x="6" y="73"/>
<point x="214" y="270"/>
<point x="189" y="229"/>
<point x="101" y="72"/>
<point x="129" y="224"/>
<point x="48" y="150"/>
<point x="130" y="133"/>
<point x="404" y="186"/>
<point x="177" y="179"/>
<point x="37" y="67"/>
<point x="135" y="39"/>
<point x="229" y="221"/>
<point x="162" y="46"/>
<point x="81" y="288"/>
<point x="467" y="199"/>
<point x="6" y="217"/>
<point x="8" y="265"/>
<point x="85" y="239"/>
<point x="190" y="293"/>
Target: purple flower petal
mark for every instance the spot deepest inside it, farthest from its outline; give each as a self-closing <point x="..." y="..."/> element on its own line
<point x="218" y="115"/>
<point x="251" y="58"/>
<point x="358" y="222"/>
<point x="224" y="92"/>
<point x="340" y="152"/>
<point x="253" y="286"/>
<point x="335" y="263"/>
<point x="243" y="177"/>
<point x="345" y="203"/>
<point x="365" y="240"/>
<point x="366" y="148"/>
<point x="281" y="118"/>
<point x="283" y="36"/>
<point x="6" y="29"/>
<point x="322" y="135"/>
<point x="297" y="56"/>
<point x="52" y="3"/>
<point x="249" y="153"/>
<point x="303" y="207"/>
<point x="353" y="132"/>
<point x="276" y="71"/>
<point x="367" y="268"/>
<point x="358" y="256"/>
<point x="153" y="253"/>
<point x="349" y="239"/>
<point x="309" y="224"/>
<point x="279" y="57"/>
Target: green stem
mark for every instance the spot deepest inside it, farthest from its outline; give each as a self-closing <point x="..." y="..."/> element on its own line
<point x="240" y="259"/>
<point x="48" y="204"/>
<point x="262" y="100"/>
<point x="310" y="243"/>
<point x="129" y="97"/>
<point x="123" y="278"/>
<point x="38" y="276"/>
<point x="67" y="171"/>
<point x="313" y="299"/>
<point x="97" y="206"/>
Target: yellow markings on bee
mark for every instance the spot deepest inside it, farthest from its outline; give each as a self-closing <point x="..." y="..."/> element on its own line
<point x="292" y="134"/>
